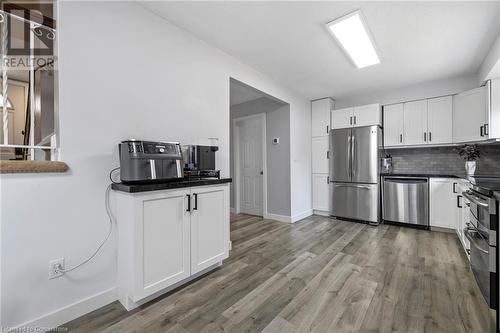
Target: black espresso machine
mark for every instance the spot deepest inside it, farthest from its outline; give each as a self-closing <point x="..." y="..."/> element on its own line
<point x="150" y="161"/>
<point x="199" y="161"/>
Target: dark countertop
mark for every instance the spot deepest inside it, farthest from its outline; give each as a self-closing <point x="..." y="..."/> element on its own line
<point x="428" y="175"/>
<point x="136" y="188"/>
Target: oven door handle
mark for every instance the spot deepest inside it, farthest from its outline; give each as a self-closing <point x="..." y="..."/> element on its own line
<point x="475" y="199"/>
<point x="473" y="240"/>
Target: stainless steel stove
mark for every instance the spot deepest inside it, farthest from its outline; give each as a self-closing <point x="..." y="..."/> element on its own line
<point x="482" y="232"/>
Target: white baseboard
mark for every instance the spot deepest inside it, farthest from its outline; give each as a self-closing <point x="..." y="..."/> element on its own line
<point x="280" y="218"/>
<point x="303" y="215"/>
<point x="72" y="311"/>
<point x="321" y="212"/>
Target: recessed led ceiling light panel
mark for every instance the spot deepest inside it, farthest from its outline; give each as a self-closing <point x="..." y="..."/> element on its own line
<point x="352" y="33"/>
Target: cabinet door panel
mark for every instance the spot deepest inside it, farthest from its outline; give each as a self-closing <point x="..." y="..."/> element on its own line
<point x="440" y="120"/>
<point x="393" y="125"/>
<point x="342" y="118"/>
<point x="163" y="244"/>
<point x="470" y="112"/>
<point x="319" y="155"/>
<point x="415" y="122"/>
<point x="209" y="227"/>
<point x="367" y="115"/>
<point x="321" y="193"/>
<point x="442" y="203"/>
<point x="320" y="116"/>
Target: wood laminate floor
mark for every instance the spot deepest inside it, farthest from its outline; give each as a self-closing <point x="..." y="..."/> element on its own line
<point x="317" y="275"/>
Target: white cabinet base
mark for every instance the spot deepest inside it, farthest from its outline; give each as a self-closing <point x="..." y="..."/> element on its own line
<point x="129" y="304"/>
<point x="168" y="237"/>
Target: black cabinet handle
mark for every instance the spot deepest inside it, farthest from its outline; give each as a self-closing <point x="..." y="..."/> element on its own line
<point x="189" y="202"/>
<point x="354" y="120"/>
<point x="454" y="187"/>
<point x="481" y="130"/>
<point x="195" y="201"/>
<point x="486" y="129"/>
<point x="458" y="201"/>
<point x="328" y="154"/>
<point x="425" y="136"/>
<point x="430" y="136"/>
<point x="326" y="129"/>
<point x="401" y="138"/>
<point x="328" y="179"/>
<point x="350" y="120"/>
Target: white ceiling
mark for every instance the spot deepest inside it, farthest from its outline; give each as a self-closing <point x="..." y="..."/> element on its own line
<point x="240" y="93"/>
<point x="417" y="41"/>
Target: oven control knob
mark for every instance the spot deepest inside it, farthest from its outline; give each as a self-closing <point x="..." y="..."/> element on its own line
<point x="162" y="150"/>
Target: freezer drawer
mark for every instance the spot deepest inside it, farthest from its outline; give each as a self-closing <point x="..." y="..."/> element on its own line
<point x="355" y="201"/>
<point x="406" y="200"/>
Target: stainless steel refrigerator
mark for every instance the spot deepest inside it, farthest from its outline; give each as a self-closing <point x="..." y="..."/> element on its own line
<point x="354" y="173"/>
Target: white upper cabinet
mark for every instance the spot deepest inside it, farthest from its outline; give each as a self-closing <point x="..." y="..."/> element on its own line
<point x="342" y="118"/>
<point x="358" y="116"/>
<point x="367" y="115"/>
<point x="470" y="115"/>
<point x="415" y="122"/>
<point x="493" y="128"/>
<point x="440" y="120"/>
<point x="320" y="155"/>
<point x="393" y="125"/>
<point x="320" y="116"/>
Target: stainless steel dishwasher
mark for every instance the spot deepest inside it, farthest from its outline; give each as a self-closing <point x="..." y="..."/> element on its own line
<point x="406" y="200"/>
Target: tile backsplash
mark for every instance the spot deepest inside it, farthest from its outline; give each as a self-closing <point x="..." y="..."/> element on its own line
<point x="443" y="160"/>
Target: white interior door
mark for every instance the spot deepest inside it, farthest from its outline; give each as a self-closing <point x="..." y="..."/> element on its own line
<point x="251" y="167"/>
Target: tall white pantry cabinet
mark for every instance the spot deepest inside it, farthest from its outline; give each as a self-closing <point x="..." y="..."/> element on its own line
<point x="320" y="128"/>
<point x="169" y="237"/>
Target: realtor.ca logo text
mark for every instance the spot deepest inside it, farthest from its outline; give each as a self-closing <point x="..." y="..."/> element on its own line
<point x="27" y="35"/>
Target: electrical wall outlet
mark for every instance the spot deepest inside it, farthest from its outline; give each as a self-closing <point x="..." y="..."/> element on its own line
<point x="53" y="266"/>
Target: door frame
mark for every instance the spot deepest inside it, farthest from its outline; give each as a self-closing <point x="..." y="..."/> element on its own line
<point x="236" y="162"/>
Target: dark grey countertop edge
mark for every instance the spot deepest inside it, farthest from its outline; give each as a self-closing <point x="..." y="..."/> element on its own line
<point x="436" y="175"/>
<point x="429" y="175"/>
<point x="137" y="188"/>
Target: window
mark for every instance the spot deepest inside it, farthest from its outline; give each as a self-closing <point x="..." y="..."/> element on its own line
<point x="28" y="105"/>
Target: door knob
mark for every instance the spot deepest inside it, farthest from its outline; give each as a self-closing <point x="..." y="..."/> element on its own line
<point x="262" y="172"/>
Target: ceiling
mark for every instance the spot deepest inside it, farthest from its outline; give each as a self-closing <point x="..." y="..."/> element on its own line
<point x="240" y="93"/>
<point x="417" y="41"/>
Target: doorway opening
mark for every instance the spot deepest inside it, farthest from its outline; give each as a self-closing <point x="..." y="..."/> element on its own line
<point x="260" y="152"/>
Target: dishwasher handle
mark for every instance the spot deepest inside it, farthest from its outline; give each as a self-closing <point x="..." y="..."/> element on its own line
<point x="406" y="180"/>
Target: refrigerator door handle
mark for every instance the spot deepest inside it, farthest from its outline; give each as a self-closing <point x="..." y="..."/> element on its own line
<point x="353" y="157"/>
<point x="351" y="185"/>
<point x="348" y="159"/>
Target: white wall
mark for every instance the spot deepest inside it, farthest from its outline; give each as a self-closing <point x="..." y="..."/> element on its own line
<point x="413" y="92"/>
<point x="123" y="73"/>
<point x="490" y="68"/>
<point x="278" y="156"/>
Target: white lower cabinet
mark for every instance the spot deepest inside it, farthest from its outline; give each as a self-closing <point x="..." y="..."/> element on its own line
<point x="320" y="154"/>
<point x="208" y="228"/>
<point x="462" y="212"/>
<point x="166" y="237"/>
<point x="321" y="193"/>
<point x="442" y="203"/>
